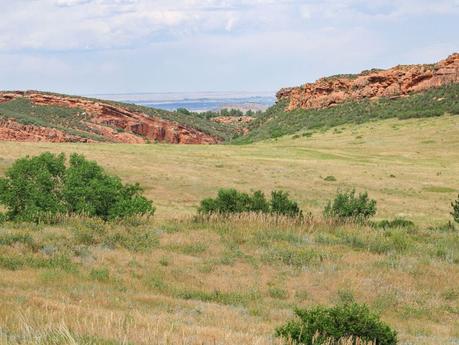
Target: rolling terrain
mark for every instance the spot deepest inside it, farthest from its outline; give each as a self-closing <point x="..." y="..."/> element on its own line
<point x="180" y="279"/>
<point x="410" y="91"/>
<point x="39" y="116"/>
<point x="175" y="280"/>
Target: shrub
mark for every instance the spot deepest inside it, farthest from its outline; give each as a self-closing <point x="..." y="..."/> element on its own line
<point x="348" y="206"/>
<point x="89" y="190"/>
<point x="455" y="212"/>
<point x="230" y="201"/>
<point x="394" y="223"/>
<point x="32" y="187"/>
<point x="321" y="324"/>
<point x="39" y="188"/>
<point x="281" y="204"/>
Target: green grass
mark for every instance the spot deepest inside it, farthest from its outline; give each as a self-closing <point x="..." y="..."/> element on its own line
<point x="276" y="122"/>
<point x="68" y="120"/>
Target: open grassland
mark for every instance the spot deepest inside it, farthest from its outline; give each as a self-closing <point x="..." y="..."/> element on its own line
<point x="175" y="280"/>
<point x="410" y="167"/>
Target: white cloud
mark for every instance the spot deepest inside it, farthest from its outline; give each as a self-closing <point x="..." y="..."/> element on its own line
<point x="156" y="44"/>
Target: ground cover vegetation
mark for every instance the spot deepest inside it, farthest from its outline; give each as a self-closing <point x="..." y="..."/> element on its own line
<point x="239" y="277"/>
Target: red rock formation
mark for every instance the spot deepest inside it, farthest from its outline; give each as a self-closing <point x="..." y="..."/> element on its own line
<point x="10" y="130"/>
<point x="114" y="122"/>
<point x="395" y="82"/>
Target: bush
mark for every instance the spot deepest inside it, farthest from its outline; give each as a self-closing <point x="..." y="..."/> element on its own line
<point x="455" y="212"/>
<point x="230" y="201"/>
<point x="321" y="324"/>
<point x="41" y="187"/>
<point x="394" y="223"/>
<point x="32" y="187"/>
<point x="348" y="206"/>
<point x="90" y="191"/>
<point x="282" y="205"/>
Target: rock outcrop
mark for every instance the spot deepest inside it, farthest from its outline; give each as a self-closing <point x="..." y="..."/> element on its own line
<point x="395" y="82"/>
<point x="113" y="122"/>
<point x="11" y="130"/>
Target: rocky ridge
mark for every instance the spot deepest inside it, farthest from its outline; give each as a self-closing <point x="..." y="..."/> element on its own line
<point x="398" y="81"/>
<point x="113" y="122"/>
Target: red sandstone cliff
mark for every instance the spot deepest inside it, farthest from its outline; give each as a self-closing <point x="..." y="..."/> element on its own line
<point x="395" y="82"/>
<point x="103" y="119"/>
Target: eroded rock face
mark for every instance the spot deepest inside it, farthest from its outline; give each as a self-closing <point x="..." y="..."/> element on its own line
<point x="10" y="130"/>
<point x="114" y="123"/>
<point x="395" y="82"/>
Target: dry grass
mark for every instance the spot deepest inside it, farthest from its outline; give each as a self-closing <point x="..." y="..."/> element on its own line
<point x="233" y="280"/>
<point x="405" y="165"/>
<point x="236" y="281"/>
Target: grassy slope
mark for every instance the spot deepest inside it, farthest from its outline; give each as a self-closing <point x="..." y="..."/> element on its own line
<point x="233" y="282"/>
<point x="275" y="122"/>
<point x="69" y="120"/>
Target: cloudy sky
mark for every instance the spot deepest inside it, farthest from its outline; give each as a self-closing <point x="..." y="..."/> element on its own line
<point x="120" y="46"/>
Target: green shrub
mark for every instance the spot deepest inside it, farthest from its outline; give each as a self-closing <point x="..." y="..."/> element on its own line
<point x="348" y="206"/>
<point x="32" y="187"/>
<point x="39" y="188"/>
<point x="230" y="201"/>
<point x="282" y="205"/>
<point x="321" y="324"/>
<point x="89" y="190"/>
<point x="455" y="212"/>
<point x="395" y="223"/>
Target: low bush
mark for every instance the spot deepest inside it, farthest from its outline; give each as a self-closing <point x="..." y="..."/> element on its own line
<point x="348" y="207"/>
<point x="42" y="187"/>
<point x="455" y="212"/>
<point x="230" y="201"/>
<point x="394" y="223"/>
<point x="321" y="325"/>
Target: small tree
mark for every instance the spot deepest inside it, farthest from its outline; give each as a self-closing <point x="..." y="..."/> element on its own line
<point x="32" y="187"/>
<point x="322" y="325"/>
<point x="282" y="205"/>
<point x="348" y="206"/>
<point x="455" y="212"/>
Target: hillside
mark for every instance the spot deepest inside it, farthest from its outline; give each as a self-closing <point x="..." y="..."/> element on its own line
<point x="392" y="83"/>
<point x="403" y="92"/>
<point x="175" y="280"/>
<point x="39" y="116"/>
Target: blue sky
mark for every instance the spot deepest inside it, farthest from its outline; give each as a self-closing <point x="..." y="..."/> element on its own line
<point x="122" y="46"/>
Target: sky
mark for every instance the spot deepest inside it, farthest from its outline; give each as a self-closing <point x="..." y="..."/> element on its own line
<point x="127" y="46"/>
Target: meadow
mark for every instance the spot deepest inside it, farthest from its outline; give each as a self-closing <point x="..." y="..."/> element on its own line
<point x="175" y="279"/>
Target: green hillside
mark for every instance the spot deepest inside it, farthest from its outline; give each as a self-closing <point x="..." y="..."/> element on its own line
<point x="71" y="120"/>
<point x="276" y="122"/>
